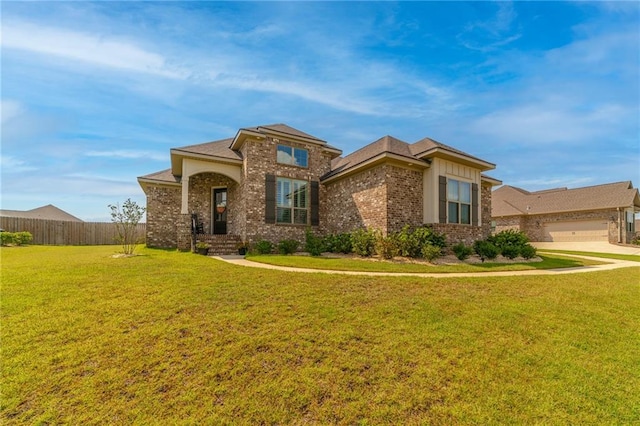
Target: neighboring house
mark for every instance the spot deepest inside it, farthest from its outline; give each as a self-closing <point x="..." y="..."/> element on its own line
<point x="49" y="212"/>
<point x="594" y="213"/>
<point x="273" y="182"/>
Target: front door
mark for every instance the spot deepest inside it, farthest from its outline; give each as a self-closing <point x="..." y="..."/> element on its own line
<point x="220" y="211"/>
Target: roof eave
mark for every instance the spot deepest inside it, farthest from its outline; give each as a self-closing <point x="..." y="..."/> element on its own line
<point x="464" y="159"/>
<point x="374" y="161"/>
<point x="490" y="180"/>
<point x="177" y="155"/>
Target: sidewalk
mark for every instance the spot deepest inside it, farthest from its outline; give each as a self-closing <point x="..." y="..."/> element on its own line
<point x="612" y="264"/>
<point x="590" y="246"/>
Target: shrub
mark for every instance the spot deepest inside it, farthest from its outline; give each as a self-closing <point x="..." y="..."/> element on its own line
<point x="528" y="251"/>
<point x="386" y="247"/>
<point x="363" y="242"/>
<point x="510" y="252"/>
<point x="426" y="234"/>
<point x="430" y="252"/>
<point x="15" y="238"/>
<point x="407" y="244"/>
<point x="314" y="245"/>
<point x="510" y="237"/>
<point x="510" y="242"/>
<point x="342" y="243"/>
<point x="6" y="238"/>
<point x="462" y="251"/>
<point x="410" y="243"/>
<point x="263" y="247"/>
<point x="338" y="243"/>
<point x="288" y="246"/>
<point x="485" y="250"/>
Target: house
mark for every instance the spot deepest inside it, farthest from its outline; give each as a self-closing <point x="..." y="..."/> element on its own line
<point x="274" y="182"/>
<point x="49" y="212"/>
<point x="594" y="213"/>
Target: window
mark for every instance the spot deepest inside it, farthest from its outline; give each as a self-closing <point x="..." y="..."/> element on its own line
<point x="293" y="156"/>
<point x="630" y="222"/>
<point x="292" y="201"/>
<point x="458" y="202"/>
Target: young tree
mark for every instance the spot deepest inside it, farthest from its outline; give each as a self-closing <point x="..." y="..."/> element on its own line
<point x="126" y="221"/>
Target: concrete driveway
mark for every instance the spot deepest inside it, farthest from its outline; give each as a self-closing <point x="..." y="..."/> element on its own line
<point x="589" y="246"/>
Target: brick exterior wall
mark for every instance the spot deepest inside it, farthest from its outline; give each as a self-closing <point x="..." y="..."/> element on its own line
<point x="163" y="216"/>
<point x="385" y="197"/>
<point x="357" y="201"/>
<point x="468" y="234"/>
<point x="533" y="225"/>
<point x="200" y="199"/>
<point x="259" y="157"/>
<point x="404" y="198"/>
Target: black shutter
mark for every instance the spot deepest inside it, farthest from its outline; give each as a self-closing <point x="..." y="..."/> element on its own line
<point x="442" y="199"/>
<point x="315" y="203"/>
<point x="474" y="204"/>
<point x="270" y="199"/>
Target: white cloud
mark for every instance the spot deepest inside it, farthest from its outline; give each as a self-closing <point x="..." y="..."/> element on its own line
<point x="128" y="154"/>
<point x="548" y="123"/>
<point x="90" y="48"/>
<point x="9" y="110"/>
<point x="12" y="164"/>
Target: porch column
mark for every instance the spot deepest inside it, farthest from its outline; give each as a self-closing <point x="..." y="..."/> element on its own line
<point x="185" y="195"/>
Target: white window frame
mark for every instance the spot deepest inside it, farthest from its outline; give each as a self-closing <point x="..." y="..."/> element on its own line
<point x="296" y="206"/>
<point x="292" y="159"/>
<point x="457" y="200"/>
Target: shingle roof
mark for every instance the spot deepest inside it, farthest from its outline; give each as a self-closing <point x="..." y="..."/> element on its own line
<point x="218" y="148"/>
<point x="49" y="212"/>
<point x="386" y="144"/>
<point x="512" y="201"/>
<point x="391" y="145"/>
<point x="283" y="128"/>
<point x="161" y="176"/>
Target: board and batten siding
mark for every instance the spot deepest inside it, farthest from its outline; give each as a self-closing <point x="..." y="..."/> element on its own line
<point x="450" y="169"/>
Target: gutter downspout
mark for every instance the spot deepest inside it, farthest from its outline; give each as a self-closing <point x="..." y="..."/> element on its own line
<point x="619" y="226"/>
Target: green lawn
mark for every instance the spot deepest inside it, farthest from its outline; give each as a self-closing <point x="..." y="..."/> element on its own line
<point x="176" y="338"/>
<point x="629" y="257"/>
<point x="551" y="261"/>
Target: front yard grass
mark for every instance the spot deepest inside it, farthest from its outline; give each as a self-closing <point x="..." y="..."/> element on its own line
<point x="618" y="256"/>
<point x="551" y="261"/>
<point x="176" y="338"/>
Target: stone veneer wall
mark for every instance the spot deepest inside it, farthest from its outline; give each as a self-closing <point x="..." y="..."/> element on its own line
<point x="163" y="216"/>
<point x="259" y="159"/>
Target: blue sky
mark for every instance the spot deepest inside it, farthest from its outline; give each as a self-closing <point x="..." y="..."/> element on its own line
<point x="95" y="94"/>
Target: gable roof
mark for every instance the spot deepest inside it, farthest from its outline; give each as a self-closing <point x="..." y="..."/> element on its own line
<point x="419" y="153"/>
<point x="512" y="201"/>
<point x="284" y="129"/>
<point x="49" y="212"/>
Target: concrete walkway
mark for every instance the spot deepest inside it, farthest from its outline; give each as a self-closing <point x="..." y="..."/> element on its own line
<point x="611" y="264"/>
<point x="590" y="246"/>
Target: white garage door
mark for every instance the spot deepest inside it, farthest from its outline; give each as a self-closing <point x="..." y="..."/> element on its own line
<point x="583" y="230"/>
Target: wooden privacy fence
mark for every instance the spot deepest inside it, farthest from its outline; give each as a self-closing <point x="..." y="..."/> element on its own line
<point x="64" y="233"/>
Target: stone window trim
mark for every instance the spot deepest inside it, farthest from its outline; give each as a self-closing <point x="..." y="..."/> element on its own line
<point x="292" y="156"/>
<point x="453" y="201"/>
